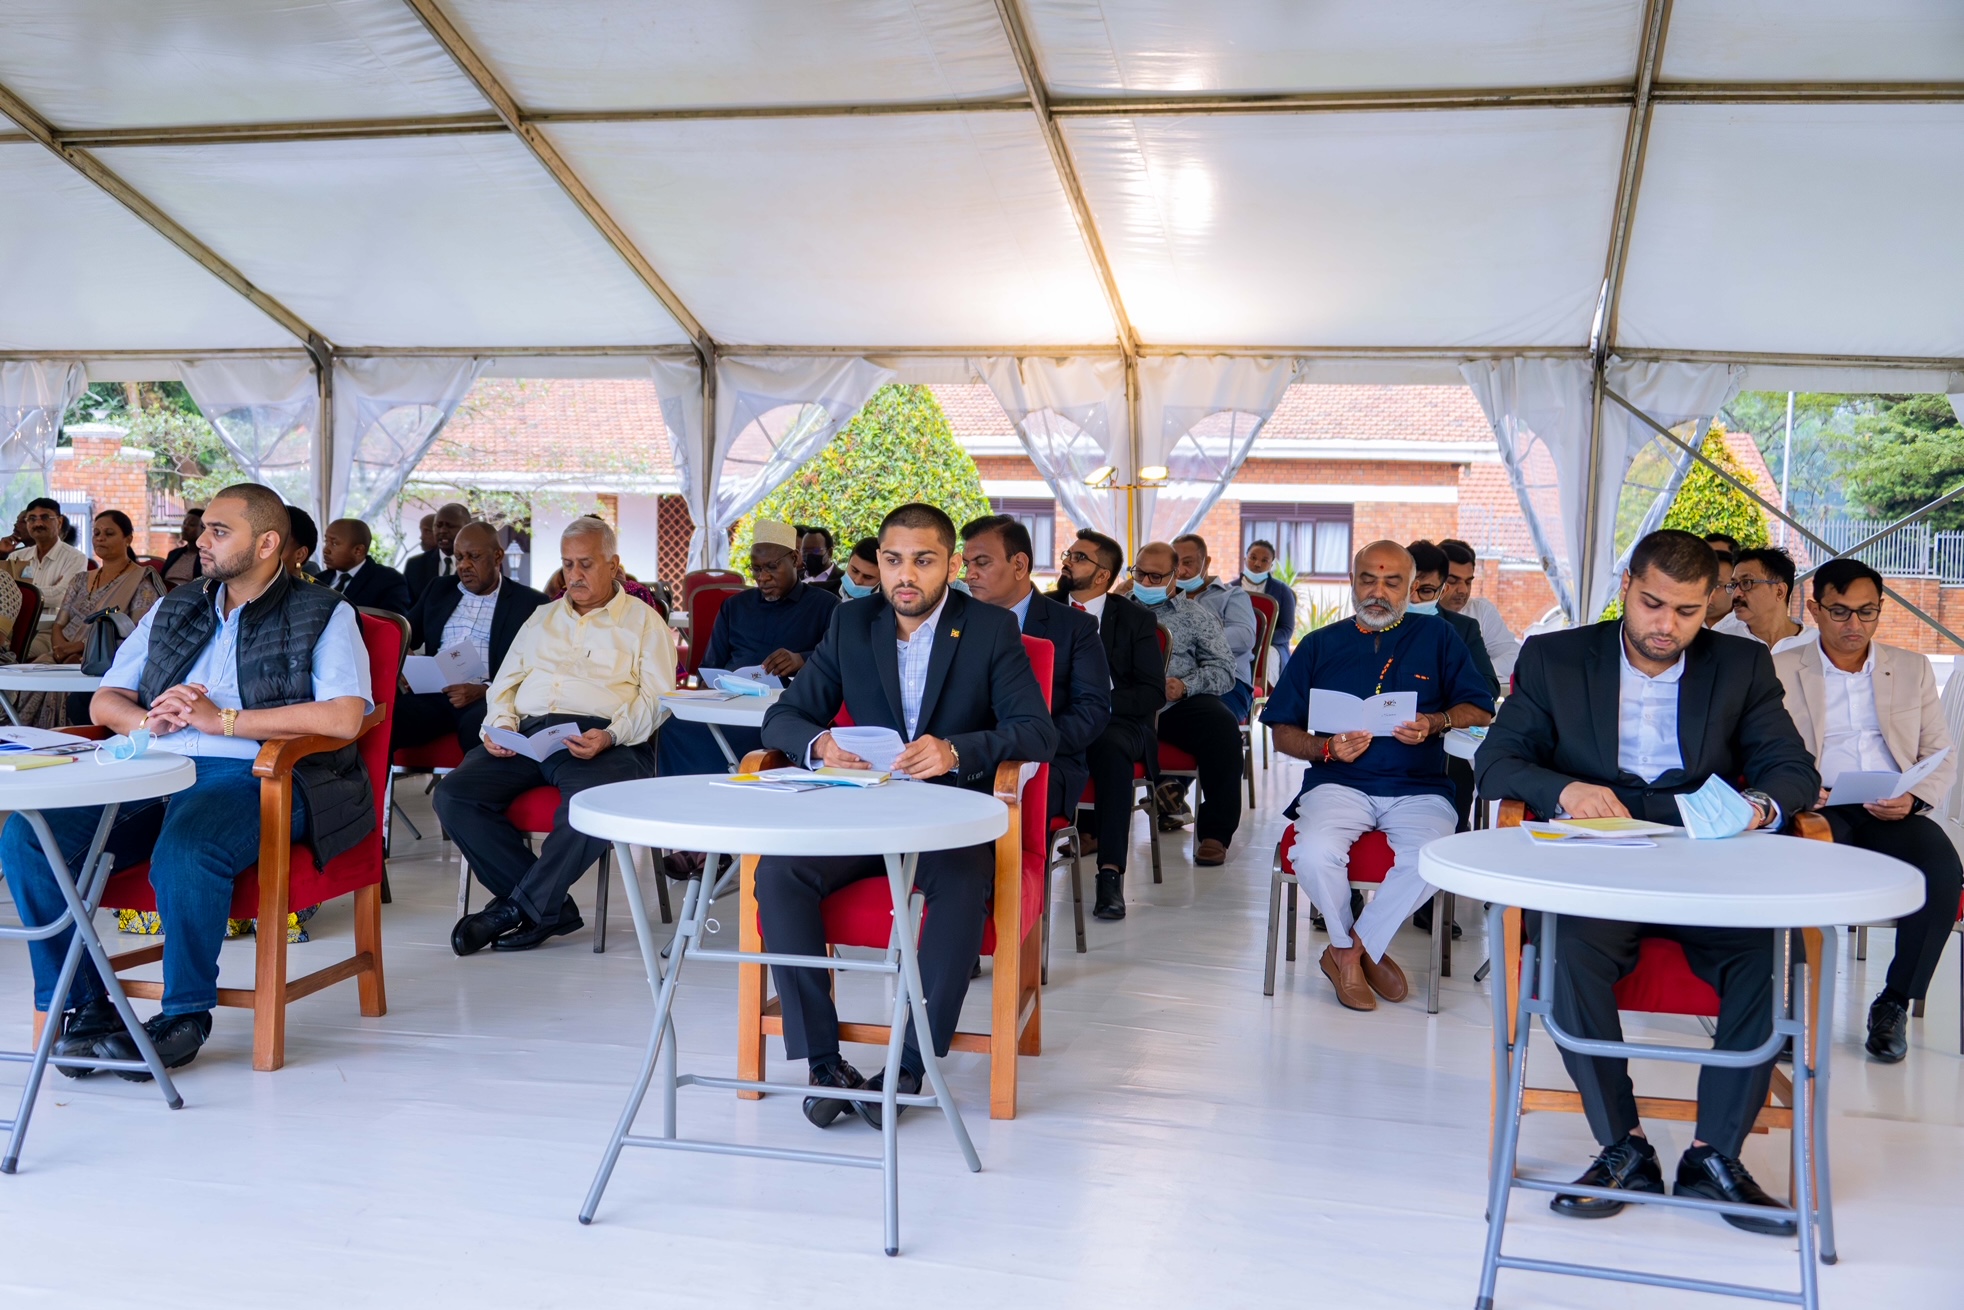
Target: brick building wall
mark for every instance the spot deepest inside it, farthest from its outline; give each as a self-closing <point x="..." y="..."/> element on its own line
<point x="113" y="476"/>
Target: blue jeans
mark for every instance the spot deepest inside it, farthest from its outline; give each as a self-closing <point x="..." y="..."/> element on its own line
<point x="197" y="842"/>
<point x="1239" y="699"/>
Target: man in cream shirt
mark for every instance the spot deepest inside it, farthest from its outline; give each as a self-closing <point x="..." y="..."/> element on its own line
<point x="1864" y="706"/>
<point x="46" y="560"/>
<point x="595" y="658"/>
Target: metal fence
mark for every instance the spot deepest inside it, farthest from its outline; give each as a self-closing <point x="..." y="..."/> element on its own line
<point x="1916" y="551"/>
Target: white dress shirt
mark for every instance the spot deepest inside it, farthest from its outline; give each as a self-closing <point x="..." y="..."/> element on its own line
<point x="1734" y="626"/>
<point x="1852" y="735"/>
<point x="1502" y="647"/>
<point x="51" y="573"/>
<point x="1095" y="607"/>
<point x="1647" y="719"/>
<point x="342" y="579"/>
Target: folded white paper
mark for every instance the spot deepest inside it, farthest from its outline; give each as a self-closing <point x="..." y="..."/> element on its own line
<point x="450" y="667"/>
<point x="26" y="739"/>
<point x="540" y="745"/>
<point x="748" y="681"/>
<point x="877" y="746"/>
<point x="1859" y="788"/>
<point x="1339" y="711"/>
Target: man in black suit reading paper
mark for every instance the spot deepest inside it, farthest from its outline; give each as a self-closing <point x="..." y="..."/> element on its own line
<point x="948" y="674"/>
<point x="479" y="607"/>
<point x="1618" y="719"/>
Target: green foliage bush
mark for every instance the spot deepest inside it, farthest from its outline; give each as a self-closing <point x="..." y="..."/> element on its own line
<point x="1903" y="457"/>
<point x="898" y="448"/>
<point x="1705" y="503"/>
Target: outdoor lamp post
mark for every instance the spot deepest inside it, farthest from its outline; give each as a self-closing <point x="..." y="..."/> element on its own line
<point x="1103" y="478"/>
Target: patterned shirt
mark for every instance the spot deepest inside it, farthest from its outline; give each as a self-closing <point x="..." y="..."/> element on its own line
<point x="1196" y="647"/>
<point x="914" y="656"/>
<point x="471" y="622"/>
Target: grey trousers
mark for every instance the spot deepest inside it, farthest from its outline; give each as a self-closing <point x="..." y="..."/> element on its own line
<point x="1329" y="819"/>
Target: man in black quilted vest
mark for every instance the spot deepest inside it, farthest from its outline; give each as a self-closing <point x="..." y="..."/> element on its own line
<point x="243" y="655"/>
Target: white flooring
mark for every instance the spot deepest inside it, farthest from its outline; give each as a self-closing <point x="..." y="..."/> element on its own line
<point x="1183" y="1141"/>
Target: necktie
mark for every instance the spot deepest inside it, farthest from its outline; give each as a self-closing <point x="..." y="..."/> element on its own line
<point x="1078" y="605"/>
<point x="341" y="581"/>
<point x="446" y="566"/>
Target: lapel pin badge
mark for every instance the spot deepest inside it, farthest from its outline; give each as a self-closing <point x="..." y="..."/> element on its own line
<point x="954" y="632"/>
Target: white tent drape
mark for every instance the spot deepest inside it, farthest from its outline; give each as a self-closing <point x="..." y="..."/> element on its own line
<point x="772" y="414"/>
<point x="267" y="414"/>
<point x="34" y="394"/>
<point x="387" y="413"/>
<point x="678" y="382"/>
<point x="1072" y="418"/>
<point x="1199" y="416"/>
<point x="1539" y="409"/>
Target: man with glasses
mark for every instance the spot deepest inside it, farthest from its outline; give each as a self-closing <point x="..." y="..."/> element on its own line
<point x="1085" y="576"/>
<point x="1719" y="608"/>
<point x="45" y="560"/>
<point x="1457" y="597"/>
<point x="1430" y="578"/>
<point x="1861" y="705"/>
<point x="1762" y="585"/>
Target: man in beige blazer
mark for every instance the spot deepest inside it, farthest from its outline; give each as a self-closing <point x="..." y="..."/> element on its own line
<point x="1861" y="705"/>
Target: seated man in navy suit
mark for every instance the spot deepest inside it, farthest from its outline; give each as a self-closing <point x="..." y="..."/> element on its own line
<point x="478" y="607"/>
<point x="346" y="567"/>
<point x="947" y="673"/>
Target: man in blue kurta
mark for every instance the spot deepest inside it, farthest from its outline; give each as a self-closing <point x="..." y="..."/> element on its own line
<point x="1395" y="784"/>
<point x="776" y="624"/>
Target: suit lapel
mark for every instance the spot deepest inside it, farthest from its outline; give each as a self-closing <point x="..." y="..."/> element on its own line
<point x="1602" y="681"/>
<point x="885" y="659"/>
<point x="947" y="636"/>
<point x="1695" y="690"/>
<point x="1814" y="694"/>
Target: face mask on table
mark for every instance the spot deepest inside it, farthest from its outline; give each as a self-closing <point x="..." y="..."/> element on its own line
<point x="853" y="591"/>
<point x="1714" y="810"/>
<point x="1148" y="595"/>
<point x="125" y="748"/>
<point x="1422" y="607"/>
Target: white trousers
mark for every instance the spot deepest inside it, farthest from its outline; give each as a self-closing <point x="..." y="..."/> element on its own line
<point x="1329" y="819"/>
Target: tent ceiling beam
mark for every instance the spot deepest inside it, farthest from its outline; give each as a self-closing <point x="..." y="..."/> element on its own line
<point x="43" y="132"/>
<point x="473" y="66"/>
<point x="1636" y="142"/>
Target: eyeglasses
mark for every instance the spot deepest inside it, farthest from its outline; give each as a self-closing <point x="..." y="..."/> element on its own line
<point x="1076" y="557"/>
<point x="1728" y="587"/>
<point x="1747" y="584"/>
<point x="1425" y="591"/>
<point x="1151" y="579"/>
<point x="1841" y="613"/>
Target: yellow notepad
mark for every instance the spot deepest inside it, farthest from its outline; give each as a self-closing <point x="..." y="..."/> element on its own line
<point x="15" y="763"/>
<point x="1610" y="827"/>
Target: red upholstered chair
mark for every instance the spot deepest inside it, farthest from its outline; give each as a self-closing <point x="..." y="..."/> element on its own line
<point x="1370" y="862"/>
<point x="862" y="915"/>
<point x="532" y="814"/>
<point x="285" y="875"/>
<point x="1662" y="983"/>
<point x="699" y="578"/>
<point x="1265" y="611"/>
<point x="27" y="621"/>
<point x="705" y="603"/>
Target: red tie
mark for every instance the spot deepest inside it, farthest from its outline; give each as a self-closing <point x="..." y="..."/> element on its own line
<point x="1077" y="605"/>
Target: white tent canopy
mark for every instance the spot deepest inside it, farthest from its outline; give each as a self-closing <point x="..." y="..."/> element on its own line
<point x="1382" y="190"/>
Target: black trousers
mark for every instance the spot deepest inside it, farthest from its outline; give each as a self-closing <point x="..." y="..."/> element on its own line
<point x="1206" y="729"/>
<point x="1111" y="756"/>
<point x="1460" y="773"/>
<point x="956" y="885"/>
<point x="1592" y="955"/>
<point x="1918" y="841"/>
<point x="471" y="803"/>
<point x="424" y="717"/>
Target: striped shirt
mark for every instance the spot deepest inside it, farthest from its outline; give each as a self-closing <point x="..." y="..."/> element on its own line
<point x="471" y="622"/>
<point x="914" y="656"/>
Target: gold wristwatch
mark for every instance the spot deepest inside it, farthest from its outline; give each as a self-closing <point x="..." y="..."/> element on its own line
<point x="228" y="718"/>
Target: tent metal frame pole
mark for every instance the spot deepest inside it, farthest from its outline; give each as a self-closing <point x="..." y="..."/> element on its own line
<point x="1591" y="498"/>
<point x="324" y="436"/>
<point x="705" y="556"/>
<point x="1818" y="542"/>
<point x="473" y="66"/>
<point x="1907" y="520"/>
<point x="1636" y="147"/>
<point x="146" y="210"/>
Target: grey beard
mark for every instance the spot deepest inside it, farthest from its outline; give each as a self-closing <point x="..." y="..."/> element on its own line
<point x="1377" y="620"/>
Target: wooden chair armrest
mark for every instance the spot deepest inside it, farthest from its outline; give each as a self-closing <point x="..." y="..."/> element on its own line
<point x="1812" y="826"/>
<point x="1512" y="812"/>
<point x="1009" y="782"/>
<point x="758" y="761"/>
<point x="277" y="758"/>
<point x="86" y="731"/>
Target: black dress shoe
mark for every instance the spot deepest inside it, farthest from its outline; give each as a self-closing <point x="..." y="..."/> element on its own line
<point x="474" y="932"/>
<point x="870" y="1111"/>
<point x="1422" y="920"/>
<point x="1704" y="1172"/>
<point x="1111" y="895"/>
<point x="528" y="934"/>
<point x="824" y="1110"/>
<point x="1888" y="1031"/>
<point x="82" y="1028"/>
<point x="177" y="1038"/>
<point x="1629" y="1165"/>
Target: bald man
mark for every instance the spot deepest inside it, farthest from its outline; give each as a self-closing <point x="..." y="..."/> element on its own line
<point x="480" y="608"/>
<point x="346" y="567"/>
<point x="441" y="562"/>
<point x="1395" y="783"/>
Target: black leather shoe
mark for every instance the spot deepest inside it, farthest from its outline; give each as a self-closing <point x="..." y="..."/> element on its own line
<point x="177" y="1038"/>
<point x="474" y="932"/>
<point x="1629" y="1165"/>
<point x="910" y="1082"/>
<point x="823" y="1111"/>
<point x="528" y="934"/>
<point x="82" y="1028"/>
<point x="1111" y="895"/>
<point x="1888" y="1031"/>
<point x="1422" y="920"/>
<point x="1704" y="1172"/>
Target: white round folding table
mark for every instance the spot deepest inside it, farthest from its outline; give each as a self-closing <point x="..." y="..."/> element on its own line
<point x="897" y="820"/>
<point x="736" y="712"/>
<point x="1751" y="881"/>
<point x="41" y="677"/>
<point x="111" y="784"/>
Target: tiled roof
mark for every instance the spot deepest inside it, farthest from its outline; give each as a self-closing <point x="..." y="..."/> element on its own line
<point x="1320" y="412"/>
<point x="556" y="427"/>
<point x="973" y="413"/>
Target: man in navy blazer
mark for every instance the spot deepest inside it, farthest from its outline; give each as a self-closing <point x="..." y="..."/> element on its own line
<point x="997" y="556"/>
<point x="479" y="606"/>
<point x="346" y="567"/>
<point x="947" y="673"/>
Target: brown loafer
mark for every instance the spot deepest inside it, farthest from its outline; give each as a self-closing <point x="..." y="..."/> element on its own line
<point x="1210" y="854"/>
<point x="1384" y="976"/>
<point x="1341" y="967"/>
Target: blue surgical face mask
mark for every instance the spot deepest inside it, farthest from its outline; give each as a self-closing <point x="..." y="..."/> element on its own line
<point x="1714" y="811"/>
<point x="1148" y="595"/>
<point x="126" y="748"/>
<point x="853" y="591"/>
<point x="1249" y="575"/>
<point x="1192" y="584"/>
<point x="1422" y="607"/>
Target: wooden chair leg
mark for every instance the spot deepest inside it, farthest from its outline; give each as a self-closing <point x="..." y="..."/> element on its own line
<point x="1030" y="1040"/>
<point x="750" y="980"/>
<point x="269" y="965"/>
<point x="368" y="941"/>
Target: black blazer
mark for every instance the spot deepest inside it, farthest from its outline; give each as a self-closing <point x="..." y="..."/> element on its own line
<point x="1080" y="685"/>
<point x="1560" y="726"/>
<point x="375" y="586"/>
<point x="516" y="601"/>
<point x="420" y="570"/>
<point x="1137" y="665"/>
<point x="1469" y="632"/>
<point x="980" y="696"/>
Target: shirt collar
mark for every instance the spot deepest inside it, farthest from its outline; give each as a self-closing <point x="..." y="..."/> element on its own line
<point x="928" y="625"/>
<point x="1868" y="665"/>
<point x="1021" y="609"/>
<point x="1672" y="674"/>
<point x="468" y="597"/>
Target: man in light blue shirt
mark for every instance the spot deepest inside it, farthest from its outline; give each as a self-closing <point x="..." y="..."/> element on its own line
<point x="245" y="655"/>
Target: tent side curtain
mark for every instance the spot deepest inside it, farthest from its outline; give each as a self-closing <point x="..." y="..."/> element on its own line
<point x="1198" y="418"/>
<point x="1072" y="418"/>
<point x="387" y="413"/>
<point x="1539" y="410"/>
<point x="772" y="414"/>
<point x="678" y="384"/>
<point x="34" y="394"/>
<point x="266" y="413"/>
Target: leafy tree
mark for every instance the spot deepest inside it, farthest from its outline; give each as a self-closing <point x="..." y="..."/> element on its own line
<point x="898" y="448"/>
<point x="1814" y="489"/>
<point x="1706" y="503"/>
<point x="1902" y="457"/>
